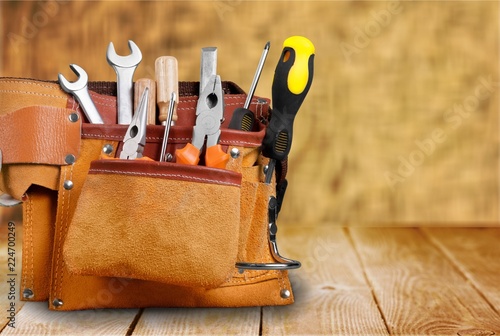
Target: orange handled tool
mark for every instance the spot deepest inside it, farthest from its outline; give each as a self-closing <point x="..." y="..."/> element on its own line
<point x="209" y="111"/>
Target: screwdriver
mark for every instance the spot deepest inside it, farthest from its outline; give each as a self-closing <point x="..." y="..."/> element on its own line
<point x="168" y="122"/>
<point x="139" y="87"/>
<point x="243" y="119"/>
<point x="292" y="80"/>
<point x="166" y="73"/>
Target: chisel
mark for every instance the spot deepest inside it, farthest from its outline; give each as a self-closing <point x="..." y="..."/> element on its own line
<point x="292" y="80"/>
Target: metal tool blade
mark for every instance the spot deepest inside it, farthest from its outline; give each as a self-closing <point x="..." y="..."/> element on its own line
<point x="208" y="65"/>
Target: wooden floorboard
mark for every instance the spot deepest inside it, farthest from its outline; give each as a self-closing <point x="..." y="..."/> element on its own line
<point x="331" y="294"/>
<point x="353" y="281"/>
<point x="199" y="321"/>
<point x="36" y="319"/>
<point x="476" y="253"/>
<point x="418" y="289"/>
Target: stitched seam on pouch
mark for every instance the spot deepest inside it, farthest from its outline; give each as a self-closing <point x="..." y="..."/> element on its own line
<point x="29" y="82"/>
<point x="31" y="242"/>
<point x="237" y="142"/>
<point x="106" y="105"/>
<point x="120" y="137"/>
<point x="66" y="220"/>
<point x="25" y="223"/>
<point x="196" y="100"/>
<point x="281" y="282"/>
<point x="33" y="93"/>
<point x="59" y="222"/>
<point x="198" y="179"/>
<point x="194" y="107"/>
<point x="267" y="272"/>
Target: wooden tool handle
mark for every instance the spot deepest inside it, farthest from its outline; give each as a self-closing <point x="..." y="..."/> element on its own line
<point x="139" y="87"/>
<point x="167" y="81"/>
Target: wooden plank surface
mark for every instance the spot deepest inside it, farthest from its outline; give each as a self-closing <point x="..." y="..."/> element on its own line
<point x="476" y="253"/>
<point x="419" y="291"/>
<point x="199" y="321"/>
<point x="331" y="293"/>
<point x="36" y="319"/>
<point x="354" y="281"/>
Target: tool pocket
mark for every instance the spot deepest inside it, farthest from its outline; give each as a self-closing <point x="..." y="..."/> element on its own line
<point x="163" y="222"/>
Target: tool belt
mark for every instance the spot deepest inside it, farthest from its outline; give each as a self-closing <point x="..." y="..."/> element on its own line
<point x="100" y="232"/>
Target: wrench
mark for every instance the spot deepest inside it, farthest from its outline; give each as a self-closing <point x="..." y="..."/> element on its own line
<point x="124" y="67"/>
<point x="81" y="93"/>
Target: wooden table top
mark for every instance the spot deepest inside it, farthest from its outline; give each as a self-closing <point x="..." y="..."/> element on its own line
<point x="354" y="280"/>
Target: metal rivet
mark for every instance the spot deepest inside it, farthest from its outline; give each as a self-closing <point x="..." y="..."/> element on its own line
<point x="266" y="168"/>
<point x="68" y="185"/>
<point x="28" y="293"/>
<point x="70" y="159"/>
<point x="241" y="270"/>
<point x="57" y="303"/>
<point x="235" y="153"/>
<point x="73" y="117"/>
<point x="285" y="294"/>
<point x="107" y="149"/>
<point x="169" y="157"/>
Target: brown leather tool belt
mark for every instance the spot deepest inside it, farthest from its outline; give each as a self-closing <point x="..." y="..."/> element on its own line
<point x="100" y="232"/>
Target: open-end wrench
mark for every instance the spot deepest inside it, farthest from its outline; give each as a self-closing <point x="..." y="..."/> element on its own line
<point x="124" y="67"/>
<point x="81" y="93"/>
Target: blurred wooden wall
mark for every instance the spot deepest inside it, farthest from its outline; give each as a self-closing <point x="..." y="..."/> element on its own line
<point x="390" y="78"/>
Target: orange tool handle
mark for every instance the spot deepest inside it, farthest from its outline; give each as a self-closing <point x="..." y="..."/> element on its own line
<point x="216" y="157"/>
<point x="188" y="155"/>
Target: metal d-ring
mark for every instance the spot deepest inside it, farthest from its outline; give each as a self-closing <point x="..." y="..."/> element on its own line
<point x="282" y="262"/>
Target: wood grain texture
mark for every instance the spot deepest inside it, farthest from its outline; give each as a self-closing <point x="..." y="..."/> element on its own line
<point x="36" y="319"/>
<point x="476" y="253"/>
<point x="199" y="321"/>
<point x="373" y="101"/>
<point x="331" y="293"/>
<point x="419" y="291"/>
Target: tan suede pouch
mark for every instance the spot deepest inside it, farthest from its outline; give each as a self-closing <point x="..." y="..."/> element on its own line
<point x="164" y="222"/>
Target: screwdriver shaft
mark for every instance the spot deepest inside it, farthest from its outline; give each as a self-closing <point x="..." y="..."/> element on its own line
<point x="256" y="77"/>
<point x="168" y="122"/>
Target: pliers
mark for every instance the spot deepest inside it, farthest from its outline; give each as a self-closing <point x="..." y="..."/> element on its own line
<point x="210" y="113"/>
<point x="135" y="138"/>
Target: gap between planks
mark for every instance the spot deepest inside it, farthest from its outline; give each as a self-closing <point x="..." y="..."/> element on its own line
<point x="475" y="251"/>
<point x="367" y="279"/>
<point x="332" y="296"/>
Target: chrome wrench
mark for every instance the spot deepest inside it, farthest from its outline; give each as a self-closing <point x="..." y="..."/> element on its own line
<point x="80" y="91"/>
<point x="124" y="67"/>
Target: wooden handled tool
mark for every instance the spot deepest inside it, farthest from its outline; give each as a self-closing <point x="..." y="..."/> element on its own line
<point x="139" y="87"/>
<point x="167" y="81"/>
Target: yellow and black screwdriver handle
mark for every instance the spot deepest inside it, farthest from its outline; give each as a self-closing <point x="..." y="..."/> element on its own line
<point x="292" y="79"/>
